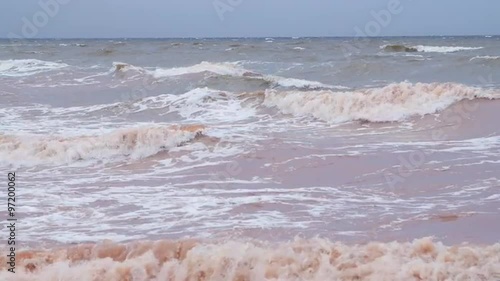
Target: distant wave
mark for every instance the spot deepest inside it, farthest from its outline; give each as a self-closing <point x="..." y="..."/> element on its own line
<point x="134" y="143"/>
<point x="398" y="48"/>
<point x="487" y="58"/>
<point x="230" y="69"/>
<point x="395" y="102"/>
<point x="73" y="44"/>
<point x="105" y="52"/>
<point x="444" y="49"/>
<point x="426" y="49"/>
<point x="27" y="67"/>
<point x="227" y="69"/>
<point x="308" y="260"/>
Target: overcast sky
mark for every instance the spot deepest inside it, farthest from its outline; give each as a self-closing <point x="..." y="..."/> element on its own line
<point x="246" y="18"/>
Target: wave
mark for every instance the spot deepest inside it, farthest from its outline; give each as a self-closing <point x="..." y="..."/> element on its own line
<point x="315" y="259"/>
<point x="202" y="104"/>
<point x="105" y="52"/>
<point x="121" y="67"/>
<point x="73" y="44"/>
<point x="444" y="49"/>
<point x="27" y="67"/>
<point x="134" y="143"/>
<point x="298" y="83"/>
<point x="398" y="48"/>
<point x="226" y="69"/>
<point x="488" y="58"/>
<point x="426" y="49"/>
<point x="231" y="69"/>
<point x="392" y="103"/>
<point x="395" y="102"/>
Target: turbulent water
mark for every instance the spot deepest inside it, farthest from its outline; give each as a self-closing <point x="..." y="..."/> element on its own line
<point x="253" y="159"/>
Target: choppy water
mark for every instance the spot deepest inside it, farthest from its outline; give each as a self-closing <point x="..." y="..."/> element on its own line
<point x="246" y="144"/>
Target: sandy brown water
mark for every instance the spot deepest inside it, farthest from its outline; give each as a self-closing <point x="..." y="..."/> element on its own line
<point x="252" y="164"/>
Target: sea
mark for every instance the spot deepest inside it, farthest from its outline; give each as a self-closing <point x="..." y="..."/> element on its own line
<point x="252" y="158"/>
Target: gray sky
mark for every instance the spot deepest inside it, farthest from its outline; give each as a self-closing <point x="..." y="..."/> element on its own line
<point x="246" y="18"/>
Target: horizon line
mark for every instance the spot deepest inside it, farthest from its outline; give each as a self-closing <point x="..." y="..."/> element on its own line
<point x="248" y="37"/>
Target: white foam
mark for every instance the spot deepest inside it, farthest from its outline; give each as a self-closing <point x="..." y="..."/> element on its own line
<point x="485" y="58"/>
<point x="27" y="67"/>
<point x="229" y="69"/>
<point x="413" y="56"/>
<point x="301" y="259"/>
<point x="444" y="49"/>
<point x="200" y="104"/>
<point x="299" y="83"/>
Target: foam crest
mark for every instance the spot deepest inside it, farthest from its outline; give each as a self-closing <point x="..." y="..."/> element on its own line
<point x="229" y="69"/>
<point x="427" y="49"/>
<point x="299" y="83"/>
<point x="444" y="49"/>
<point x="394" y="102"/>
<point x="202" y="104"/>
<point x="27" y="67"/>
<point x="133" y="143"/>
<point x="315" y="259"/>
<point x="488" y="58"/>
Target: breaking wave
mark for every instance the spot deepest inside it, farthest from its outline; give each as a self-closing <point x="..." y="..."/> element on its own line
<point x="134" y="143"/>
<point x="444" y="49"/>
<point x="426" y="49"/>
<point x="315" y="259"/>
<point x="27" y="67"/>
<point x="121" y="67"/>
<point x="394" y="102"/>
<point x="201" y="104"/>
<point x="225" y="69"/>
<point x="231" y="69"/>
